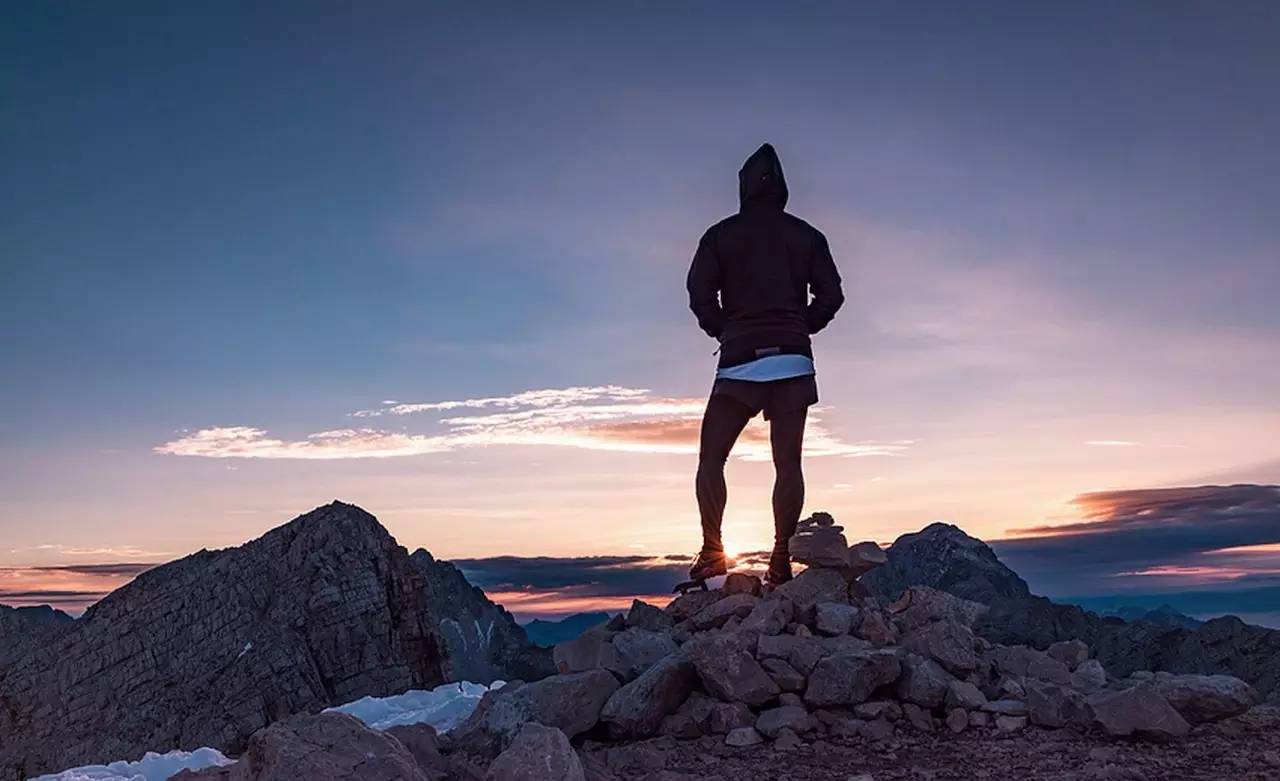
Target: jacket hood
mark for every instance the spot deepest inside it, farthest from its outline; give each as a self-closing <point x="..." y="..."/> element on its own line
<point x="760" y="180"/>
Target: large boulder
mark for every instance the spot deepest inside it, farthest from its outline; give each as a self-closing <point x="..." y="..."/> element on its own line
<point x="717" y="613"/>
<point x="864" y="557"/>
<point x="835" y="618"/>
<point x="637" y="709"/>
<point x="1029" y="663"/>
<point x="793" y="717"/>
<point x="591" y="650"/>
<point x="1050" y="705"/>
<point x="850" y="679"/>
<point x="814" y="585"/>
<point x="923" y="682"/>
<point x="324" y="745"/>
<point x="947" y="642"/>
<point x="570" y="702"/>
<point x="538" y="753"/>
<point x="1201" y="698"/>
<point x="1138" y="710"/>
<point x="919" y="606"/>
<point x="768" y="617"/>
<point x="729" y="672"/>
<point x="1089" y="677"/>
<point x="636" y="650"/>
<point x="642" y="615"/>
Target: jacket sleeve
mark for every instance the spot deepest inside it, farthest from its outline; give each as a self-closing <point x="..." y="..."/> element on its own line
<point x="824" y="284"/>
<point x="703" y="285"/>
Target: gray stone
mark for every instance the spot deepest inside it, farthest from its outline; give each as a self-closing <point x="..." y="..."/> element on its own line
<point x="590" y="650"/>
<point x="1029" y="663"/>
<point x="718" y="612"/>
<point x="848" y="679"/>
<point x="743" y="736"/>
<point x="1139" y="710"/>
<point x="814" y="585"/>
<point x="923" y="682"/>
<point x="802" y="653"/>
<point x="1054" y="706"/>
<point x="787" y="740"/>
<point x="957" y="720"/>
<point x="921" y="605"/>
<point x="1011" y="723"/>
<point x="728" y="716"/>
<point x="570" y="702"/>
<point x="1089" y="677"/>
<point x="729" y="672"/>
<point x="875" y="730"/>
<point x="835" y="618"/>
<point x="979" y="718"/>
<point x="692" y="719"/>
<point x="741" y="583"/>
<point x="962" y="694"/>
<point x="918" y="717"/>
<point x="768" y="617"/>
<point x="1072" y="653"/>
<point x="786" y="676"/>
<point x="538" y="753"/>
<point x="774" y="720"/>
<point x="636" y="650"/>
<point x="642" y="615"/>
<point x="1006" y="707"/>
<point x="818" y="544"/>
<point x="947" y="642"/>
<point x="876" y="629"/>
<point x="790" y="698"/>
<point x="637" y="709"/>
<point x="684" y="606"/>
<point x="1201" y="698"/>
<point x="886" y="709"/>
<point x="864" y="557"/>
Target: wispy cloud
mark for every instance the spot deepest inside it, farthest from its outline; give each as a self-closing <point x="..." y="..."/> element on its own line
<point x="1112" y="443"/>
<point x="608" y="417"/>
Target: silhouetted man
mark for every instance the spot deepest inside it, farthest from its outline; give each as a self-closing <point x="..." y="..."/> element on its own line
<point x="750" y="285"/>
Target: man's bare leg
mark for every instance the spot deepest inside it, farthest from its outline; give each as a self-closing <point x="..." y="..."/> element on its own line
<point x="786" y="438"/>
<point x="722" y="422"/>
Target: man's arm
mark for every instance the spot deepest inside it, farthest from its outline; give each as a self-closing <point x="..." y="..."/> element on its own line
<point x="703" y="285"/>
<point x="824" y="284"/>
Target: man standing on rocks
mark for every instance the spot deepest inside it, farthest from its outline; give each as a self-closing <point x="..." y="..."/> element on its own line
<point x="761" y="282"/>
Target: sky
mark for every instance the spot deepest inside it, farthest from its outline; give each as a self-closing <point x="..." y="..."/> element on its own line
<point x="431" y="260"/>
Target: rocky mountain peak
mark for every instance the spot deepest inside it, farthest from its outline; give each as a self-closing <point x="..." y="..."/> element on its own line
<point x="944" y="557"/>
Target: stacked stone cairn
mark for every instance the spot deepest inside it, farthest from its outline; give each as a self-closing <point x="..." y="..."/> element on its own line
<point x="815" y="658"/>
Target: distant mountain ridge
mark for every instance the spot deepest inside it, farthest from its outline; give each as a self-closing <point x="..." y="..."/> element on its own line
<point x="547" y="633"/>
<point x="205" y="650"/>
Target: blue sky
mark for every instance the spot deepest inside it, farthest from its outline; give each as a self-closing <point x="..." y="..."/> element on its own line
<point x="1057" y="226"/>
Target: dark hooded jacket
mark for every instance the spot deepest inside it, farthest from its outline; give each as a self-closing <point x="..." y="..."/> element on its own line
<point x="752" y="276"/>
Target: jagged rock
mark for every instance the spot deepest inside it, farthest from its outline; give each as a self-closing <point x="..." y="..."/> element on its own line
<point x="879" y="709"/>
<point x="1139" y="710"/>
<point x="957" y="720"/>
<point x="787" y="740"/>
<point x="876" y="629"/>
<point x="947" y="642"/>
<point x="819" y="543"/>
<point x="423" y="743"/>
<point x="479" y="640"/>
<point x="814" y="585"/>
<point x="728" y="716"/>
<point x="1050" y="705"/>
<point x="246" y="635"/>
<point x="636" y="650"/>
<point x="538" y="753"/>
<point x="917" y="717"/>
<point x="1030" y="663"/>
<point x="642" y="615"/>
<point x="692" y="719"/>
<point x="768" y="617"/>
<point x="323" y="745"/>
<point x="1011" y="723"/>
<point x="787" y="677"/>
<point x="802" y="653"/>
<point x="1072" y="653"/>
<point x="1201" y="698"/>
<point x="923" y="682"/>
<point x="718" y="612"/>
<point x="637" y="709"/>
<point x="729" y="672"/>
<point x="774" y="720"/>
<point x="742" y="583"/>
<point x="835" y="618"/>
<point x="962" y="694"/>
<point x="864" y="557"/>
<point x="684" y="606"/>
<point x="1005" y="707"/>
<point x="743" y="736"/>
<point x="570" y="702"/>
<point x="919" y="606"/>
<point x="848" y="679"/>
<point x="1089" y="677"/>
<point x="590" y="650"/>
<point x="943" y="557"/>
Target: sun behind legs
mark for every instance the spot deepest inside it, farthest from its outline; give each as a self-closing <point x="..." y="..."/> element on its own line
<point x="722" y="422"/>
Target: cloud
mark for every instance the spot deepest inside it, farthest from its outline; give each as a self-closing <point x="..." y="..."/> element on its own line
<point x="606" y="417"/>
<point x="1112" y="443"/>
<point x="1171" y="538"/>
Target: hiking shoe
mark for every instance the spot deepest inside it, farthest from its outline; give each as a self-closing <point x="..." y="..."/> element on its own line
<point x="709" y="564"/>
<point x="779" y="569"/>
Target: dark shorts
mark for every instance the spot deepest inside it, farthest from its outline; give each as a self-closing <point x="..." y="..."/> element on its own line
<point x="772" y="398"/>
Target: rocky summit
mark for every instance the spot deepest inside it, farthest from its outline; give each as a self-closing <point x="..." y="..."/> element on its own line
<point x="826" y="677"/>
<point x="206" y="650"/>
